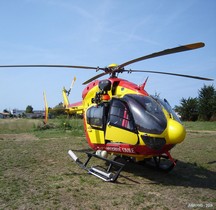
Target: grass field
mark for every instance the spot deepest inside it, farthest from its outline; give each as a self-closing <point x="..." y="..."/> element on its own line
<point x="37" y="173"/>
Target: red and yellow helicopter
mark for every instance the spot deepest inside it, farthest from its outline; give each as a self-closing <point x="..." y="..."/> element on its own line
<point x="122" y="119"/>
<point x="70" y="109"/>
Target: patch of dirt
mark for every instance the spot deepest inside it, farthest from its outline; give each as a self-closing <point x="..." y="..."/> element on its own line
<point x="18" y="137"/>
<point x="201" y="131"/>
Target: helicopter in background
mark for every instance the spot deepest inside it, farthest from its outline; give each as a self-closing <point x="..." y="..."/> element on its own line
<point x="120" y="118"/>
<point x="71" y="109"/>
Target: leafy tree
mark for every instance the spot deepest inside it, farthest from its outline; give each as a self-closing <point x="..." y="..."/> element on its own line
<point x="214" y="107"/>
<point x="207" y="102"/>
<point x="6" y="111"/>
<point x="188" y="110"/>
<point x="203" y="107"/>
<point x="57" y="110"/>
<point x="29" y="109"/>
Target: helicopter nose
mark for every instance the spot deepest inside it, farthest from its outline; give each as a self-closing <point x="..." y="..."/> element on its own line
<point x="176" y="132"/>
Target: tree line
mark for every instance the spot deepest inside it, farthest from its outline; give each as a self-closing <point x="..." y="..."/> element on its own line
<point x="202" y="107"/>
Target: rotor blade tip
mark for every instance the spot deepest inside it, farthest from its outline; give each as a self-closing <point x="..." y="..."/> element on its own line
<point x="196" y="45"/>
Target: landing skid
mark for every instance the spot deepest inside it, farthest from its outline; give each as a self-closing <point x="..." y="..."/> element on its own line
<point x="107" y="175"/>
<point x="163" y="163"/>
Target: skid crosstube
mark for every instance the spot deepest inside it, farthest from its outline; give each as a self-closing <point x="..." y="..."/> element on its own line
<point x="108" y="175"/>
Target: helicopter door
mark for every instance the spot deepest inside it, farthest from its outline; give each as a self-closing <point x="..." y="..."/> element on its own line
<point x="120" y="125"/>
<point x="95" y="116"/>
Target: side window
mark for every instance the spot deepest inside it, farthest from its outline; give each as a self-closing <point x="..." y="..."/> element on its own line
<point x="95" y="116"/>
<point x="119" y="115"/>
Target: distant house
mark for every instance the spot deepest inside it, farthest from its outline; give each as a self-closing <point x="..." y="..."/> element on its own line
<point x="4" y="115"/>
<point x="21" y="113"/>
<point x="35" y="115"/>
<point x="18" y="113"/>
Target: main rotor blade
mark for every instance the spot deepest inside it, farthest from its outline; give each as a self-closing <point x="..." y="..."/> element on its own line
<point x="165" y="52"/>
<point x="94" y="78"/>
<point x="52" y="66"/>
<point x="173" y="74"/>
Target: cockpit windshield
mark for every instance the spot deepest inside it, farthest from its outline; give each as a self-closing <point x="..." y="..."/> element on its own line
<point x="169" y="109"/>
<point x="147" y="113"/>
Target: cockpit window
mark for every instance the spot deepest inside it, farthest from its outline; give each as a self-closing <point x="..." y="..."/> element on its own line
<point x="95" y="116"/>
<point x="147" y="113"/>
<point x="120" y="116"/>
<point x="169" y="109"/>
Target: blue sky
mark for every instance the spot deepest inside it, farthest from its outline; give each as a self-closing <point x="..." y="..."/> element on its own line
<point x="97" y="33"/>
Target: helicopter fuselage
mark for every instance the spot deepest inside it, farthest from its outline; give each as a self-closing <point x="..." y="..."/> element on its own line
<point x="121" y="118"/>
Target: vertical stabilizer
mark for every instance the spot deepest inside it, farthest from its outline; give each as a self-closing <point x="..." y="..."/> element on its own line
<point x="65" y="97"/>
<point x="66" y="93"/>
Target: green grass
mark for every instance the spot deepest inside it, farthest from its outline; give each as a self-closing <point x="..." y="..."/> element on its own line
<point x="54" y="128"/>
<point x="37" y="173"/>
<point x="200" y="125"/>
<point x="59" y="127"/>
<point x="18" y="125"/>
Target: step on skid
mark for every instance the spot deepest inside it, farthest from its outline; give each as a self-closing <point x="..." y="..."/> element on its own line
<point x="110" y="174"/>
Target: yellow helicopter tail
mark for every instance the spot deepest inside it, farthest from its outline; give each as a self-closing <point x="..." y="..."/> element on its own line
<point x="66" y="93"/>
<point x="46" y="109"/>
<point x="65" y="98"/>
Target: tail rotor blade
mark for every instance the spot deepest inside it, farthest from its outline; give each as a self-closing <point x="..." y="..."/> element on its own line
<point x="46" y="108"/>
<point x="73" y="81"/>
